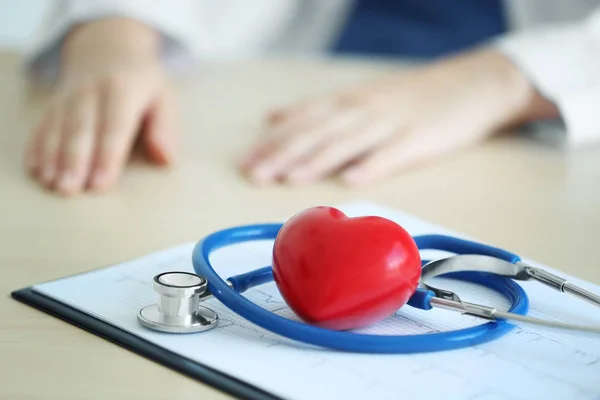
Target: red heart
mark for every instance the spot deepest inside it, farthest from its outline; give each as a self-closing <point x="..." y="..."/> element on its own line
<point x="344" y="273"/>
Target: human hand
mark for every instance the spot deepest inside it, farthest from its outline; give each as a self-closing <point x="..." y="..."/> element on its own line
<point x="374" y="130"/>
<point x="110" y="92"/>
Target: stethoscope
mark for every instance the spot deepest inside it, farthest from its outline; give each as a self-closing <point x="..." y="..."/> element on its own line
<point x="178" y="309"/>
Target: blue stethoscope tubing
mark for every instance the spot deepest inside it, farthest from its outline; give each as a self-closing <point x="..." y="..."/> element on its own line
<point x="349" y="341"/>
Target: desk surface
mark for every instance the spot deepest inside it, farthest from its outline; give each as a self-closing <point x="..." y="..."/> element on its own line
<point x="532" y="199"/>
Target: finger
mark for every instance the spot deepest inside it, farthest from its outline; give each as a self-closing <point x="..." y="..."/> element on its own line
<point x="407" y="151"/>
<point x="303" y="116"/>
<point x="33" y="149"/>
<point x="308" y="117"/>
<point x="273" y="140"/>
<point x="48" y="147"/>
<point x="285" y="117"/>
<point x="280" y="155"/>
<point x="79" y="139"/>
<point x="276" y="139"/>
<point x="121" y="110"/>
<point x="359" y="139"/>
<point x="161" y="130"/>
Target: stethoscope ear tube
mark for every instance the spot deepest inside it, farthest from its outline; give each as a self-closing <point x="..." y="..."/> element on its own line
<point x="347" y="341"/>
<point x="462" y="246"/>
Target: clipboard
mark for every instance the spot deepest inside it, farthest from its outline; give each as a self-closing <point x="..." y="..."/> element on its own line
<point x="193" y="369"/>
<point x="552" y="363"/>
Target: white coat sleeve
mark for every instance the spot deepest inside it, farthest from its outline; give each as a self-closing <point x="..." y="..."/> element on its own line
<point x="563" y="63"/>
<point x="175" y="20"/>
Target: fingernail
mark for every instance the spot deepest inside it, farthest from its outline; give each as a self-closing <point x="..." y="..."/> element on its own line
<point x="66" y="181"/>
<point x="274" y="115"/>
<point x="354" y="176"/>
<point x="262" y="174"/>
<point x="171" y="151"/>
<point x="298" y="176"/>
<point x="250" y="158"/>
<point x="246" y="161"/>
<point x="98" y="179"/>
<point x="48" y="174"/>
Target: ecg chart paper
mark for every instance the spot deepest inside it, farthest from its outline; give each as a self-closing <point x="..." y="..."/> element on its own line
<point x="527" y="363"/>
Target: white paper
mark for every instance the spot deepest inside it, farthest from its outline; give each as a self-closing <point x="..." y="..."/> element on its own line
<point x="527" y="363"/>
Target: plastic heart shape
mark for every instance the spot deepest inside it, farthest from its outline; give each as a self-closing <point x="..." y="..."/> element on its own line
<point x="344" y="273"/>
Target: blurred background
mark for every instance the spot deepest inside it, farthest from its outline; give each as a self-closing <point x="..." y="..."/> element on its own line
<point x="18" y="20"/>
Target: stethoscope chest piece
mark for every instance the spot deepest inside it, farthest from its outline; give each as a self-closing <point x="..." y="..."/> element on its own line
<point x="178" y="309"/>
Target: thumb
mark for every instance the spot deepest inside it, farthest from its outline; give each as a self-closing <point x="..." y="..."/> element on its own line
<point x="161" y="130"/>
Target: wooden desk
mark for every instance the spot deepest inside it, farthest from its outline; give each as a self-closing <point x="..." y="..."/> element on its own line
<point x="531" y="199"/>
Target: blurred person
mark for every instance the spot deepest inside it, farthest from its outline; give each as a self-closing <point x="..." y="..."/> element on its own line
<point x="487" y="65"/>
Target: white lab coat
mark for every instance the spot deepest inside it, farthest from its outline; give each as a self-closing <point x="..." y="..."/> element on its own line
<point x="555" y="42"/>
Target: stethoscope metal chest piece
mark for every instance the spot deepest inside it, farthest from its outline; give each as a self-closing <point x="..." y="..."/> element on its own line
<point x="178" y="309"/>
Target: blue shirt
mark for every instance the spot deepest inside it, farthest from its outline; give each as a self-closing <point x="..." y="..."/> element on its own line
<point x="420" y="28"/>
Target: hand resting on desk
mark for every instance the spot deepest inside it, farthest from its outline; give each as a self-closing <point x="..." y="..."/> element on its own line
<point x="112" y="91"/>
<point x="371" y="131"/>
